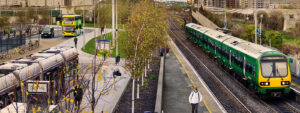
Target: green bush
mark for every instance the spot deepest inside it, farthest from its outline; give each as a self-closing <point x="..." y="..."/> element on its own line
<point x="153" y="77"/>
<point x="146" y="85"/>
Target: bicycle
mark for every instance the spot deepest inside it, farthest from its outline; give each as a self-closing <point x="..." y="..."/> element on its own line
<point x="30" y="46"/>
<point x="37" y="44"/>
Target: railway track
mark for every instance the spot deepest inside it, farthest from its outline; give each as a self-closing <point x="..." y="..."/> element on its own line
<point x="231" y="94"/>
<point x="226" y="86"/>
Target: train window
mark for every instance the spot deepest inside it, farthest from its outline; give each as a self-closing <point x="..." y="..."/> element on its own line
<point x="226" y="54"/>
<point x="249" y="68"/>
<point x="240" y="60"/>
<point x="234" y="58"/>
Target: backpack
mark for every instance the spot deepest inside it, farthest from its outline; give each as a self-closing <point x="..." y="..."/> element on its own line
<point x="198" y="94"/>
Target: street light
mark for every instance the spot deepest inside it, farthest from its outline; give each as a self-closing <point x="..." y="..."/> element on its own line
<point x="117" y="28"/>
<point x="261" y="17"/>
<point x="255" y="21"/>
<point x="113" y="22"/>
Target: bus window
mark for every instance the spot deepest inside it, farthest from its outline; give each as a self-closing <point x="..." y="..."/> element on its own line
<point x="68" y="18"/>
<point x="69" y="28"/>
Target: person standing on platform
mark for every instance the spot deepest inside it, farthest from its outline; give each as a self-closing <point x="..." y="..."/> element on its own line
<point x="75" y="42"/>
<point x="195" y="98"/>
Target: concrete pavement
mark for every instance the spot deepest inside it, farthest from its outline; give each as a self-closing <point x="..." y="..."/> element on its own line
<point x="209" y="100"/>
<point x="177" y="88"/>
<point x="110" y="91"/>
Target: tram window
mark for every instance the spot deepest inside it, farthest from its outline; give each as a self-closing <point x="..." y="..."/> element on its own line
<point x="5" y="72"/>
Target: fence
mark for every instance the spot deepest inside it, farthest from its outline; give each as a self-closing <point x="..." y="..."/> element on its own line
<point x="17" y="40"/>
<point x="7" y="42"/>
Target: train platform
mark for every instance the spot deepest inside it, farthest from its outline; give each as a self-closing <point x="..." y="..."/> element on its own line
<point x="180" y="78"/>
<point x="296" y="83"/>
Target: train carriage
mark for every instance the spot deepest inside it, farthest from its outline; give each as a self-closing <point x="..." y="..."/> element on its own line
<point x="58" y="65"/>
<point x="265" y="69"/>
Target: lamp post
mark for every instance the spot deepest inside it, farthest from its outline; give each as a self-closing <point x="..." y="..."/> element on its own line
<point x="113" y="22"/>
<point x="83" y="28"/>
<point x="261" y="17"/>
<point x="225" y="20"/>
<point x="255" y="21"/>
<point x="116" y="28"/>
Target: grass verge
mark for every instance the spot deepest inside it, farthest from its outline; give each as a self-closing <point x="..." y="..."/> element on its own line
<point x="90" y="46"/>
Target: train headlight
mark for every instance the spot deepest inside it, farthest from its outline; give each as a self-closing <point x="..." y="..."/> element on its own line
<point x="285" y="83"/>
<point x="264" y="83"/>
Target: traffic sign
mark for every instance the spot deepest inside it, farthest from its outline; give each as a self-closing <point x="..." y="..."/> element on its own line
<point x="258" y="31"/>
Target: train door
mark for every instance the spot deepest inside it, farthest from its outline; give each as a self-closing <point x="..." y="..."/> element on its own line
<point x="244" y="69"/>
<point x="230" y="59"/>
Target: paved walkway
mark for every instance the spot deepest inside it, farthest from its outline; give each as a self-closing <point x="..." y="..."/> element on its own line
<point x="209" y="100"/>
<point x="104" y="82"/>
<point x="177" y="88"/>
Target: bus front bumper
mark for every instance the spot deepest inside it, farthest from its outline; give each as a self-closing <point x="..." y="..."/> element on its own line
<point x="67" y="34"/>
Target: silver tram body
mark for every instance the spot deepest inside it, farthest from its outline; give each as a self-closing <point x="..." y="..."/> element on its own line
<point x="58" y="65"/>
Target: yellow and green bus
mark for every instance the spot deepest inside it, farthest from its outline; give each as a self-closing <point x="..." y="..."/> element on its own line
<point x="71" y="25"/>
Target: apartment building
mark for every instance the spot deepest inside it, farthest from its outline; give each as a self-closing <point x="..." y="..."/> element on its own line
<point x="278" y="3"/>
<point x="232" y="3"/>
<point x="40" y="3"/>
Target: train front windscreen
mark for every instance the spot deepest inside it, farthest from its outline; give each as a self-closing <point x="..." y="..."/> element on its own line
<point x="274" y="67"/>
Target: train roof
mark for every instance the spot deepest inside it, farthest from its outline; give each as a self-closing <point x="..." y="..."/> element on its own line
<point x="252" y="49"/>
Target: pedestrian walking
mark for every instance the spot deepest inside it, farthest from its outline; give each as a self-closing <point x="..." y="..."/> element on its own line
<point x="78" y="93"/>
<point x="168" y="49"/>
<point x="104" y="56"/>
<point x="117" y="59"/>
<point x="195" y="98"/>
<point x="116" y="73"/>
<point x="75" y="42"/>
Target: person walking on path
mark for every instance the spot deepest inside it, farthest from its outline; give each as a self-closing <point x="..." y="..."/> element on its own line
<point x="78" y="93"/>
<point x="75" y="42"/>
<point x="195" y="98"/>
<point x="117" y="59"/>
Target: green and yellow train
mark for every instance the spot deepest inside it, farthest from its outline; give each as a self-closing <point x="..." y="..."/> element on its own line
<point x="264" y="69"/>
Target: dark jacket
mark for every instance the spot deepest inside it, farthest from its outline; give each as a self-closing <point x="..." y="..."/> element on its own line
<point x="75" y="40"/>
<point x="117" y="73"/>
<point x="78" y="92"/>
<point x="118" y="59"/>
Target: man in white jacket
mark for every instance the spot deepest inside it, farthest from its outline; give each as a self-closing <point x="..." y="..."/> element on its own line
<point x="194" y="99"/>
